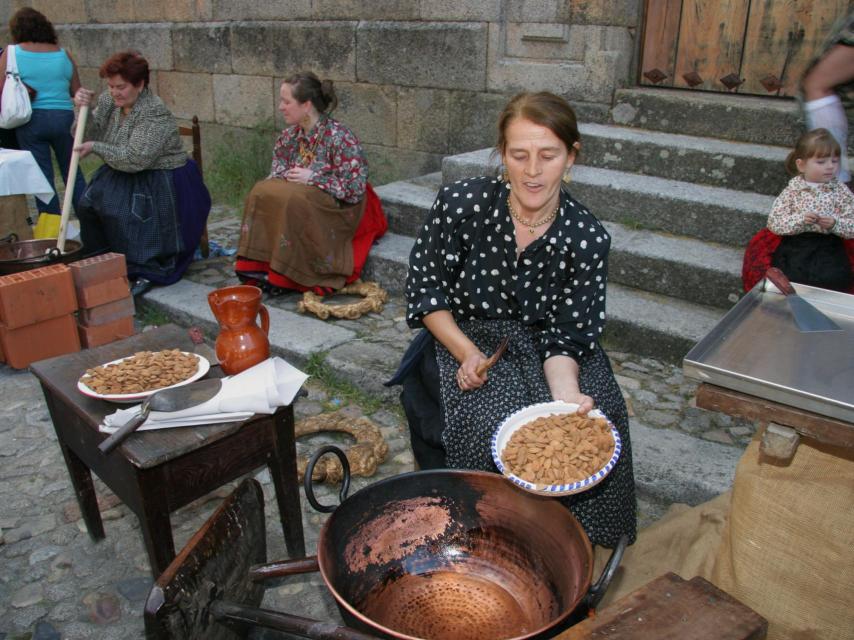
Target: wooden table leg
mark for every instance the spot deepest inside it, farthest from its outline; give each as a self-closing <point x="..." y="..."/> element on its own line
<point x="81" y="477"/>
<point x="283" y="471"/>
<point x="87" y="499"/>
<point x="156" y="525"/>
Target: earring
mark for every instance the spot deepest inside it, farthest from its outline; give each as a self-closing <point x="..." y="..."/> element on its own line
<point x="567" y="177"/>
<point x="505" y="177"/>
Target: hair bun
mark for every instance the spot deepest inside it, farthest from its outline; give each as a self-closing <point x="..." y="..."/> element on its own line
<point x="327" y="91"/>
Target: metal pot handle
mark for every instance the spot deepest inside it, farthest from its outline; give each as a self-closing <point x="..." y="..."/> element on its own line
<point x="12" y="237"/>
<point x="597" y="591"/>
<point x="308" y="483"/>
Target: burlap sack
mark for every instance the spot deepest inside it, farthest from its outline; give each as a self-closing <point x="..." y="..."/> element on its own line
<point x="684" y="541"/>
<point x="788" y="548"/>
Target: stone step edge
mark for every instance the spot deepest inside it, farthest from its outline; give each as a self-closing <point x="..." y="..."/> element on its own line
<point x="293" y="336"/>
<point x="396" y="248"/>
<point x="744" y="202"/>
<point x="683" y="249"/>
<point x="670" y="466"/>
<point x="639" y="321"/>
<point x="719" y="265"/>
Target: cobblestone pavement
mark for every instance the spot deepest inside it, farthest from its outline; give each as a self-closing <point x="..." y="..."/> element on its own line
<point x="56" y="583"/>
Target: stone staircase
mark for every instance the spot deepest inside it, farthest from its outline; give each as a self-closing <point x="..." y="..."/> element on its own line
<point x="681" y="180"/>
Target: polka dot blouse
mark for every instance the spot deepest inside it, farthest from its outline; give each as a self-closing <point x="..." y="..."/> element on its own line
<point x="464" y="260"/>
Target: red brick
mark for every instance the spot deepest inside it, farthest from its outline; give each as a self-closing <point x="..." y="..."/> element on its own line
<point x="104" y="313"/>
<point x="106" y="333"/>
<point x="33" y="296"/>
<point x="107" y="266"/>
<point x="25" y="345"/>
<point x="97" y="294"/>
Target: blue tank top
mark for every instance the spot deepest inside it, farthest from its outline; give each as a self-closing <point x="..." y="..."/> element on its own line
<point x="49" y="73"/>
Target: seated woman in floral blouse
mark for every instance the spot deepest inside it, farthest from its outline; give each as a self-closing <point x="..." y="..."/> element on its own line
<point x="299" y="223"/>
<point x="516" y="257"/>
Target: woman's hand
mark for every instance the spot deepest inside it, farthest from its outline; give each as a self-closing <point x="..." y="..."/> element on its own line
<point x="300" y="175"/>
<point x="826" y="222"/>
<point x="84" y="149"/>
<point x="83" y="97"/>
<point x="584" y="402"/>
<point x="467" y="377"/>
<point x="562" y="377"/>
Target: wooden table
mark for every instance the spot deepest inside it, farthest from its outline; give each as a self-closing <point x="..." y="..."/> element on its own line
<point x="783" y="425"/>
<point x="157" y="472"/>
<point x="670" y="608"/>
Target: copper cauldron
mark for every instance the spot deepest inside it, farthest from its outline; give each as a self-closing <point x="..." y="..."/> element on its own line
<point x="16" y="256"/>
<point x="452" y="555"/>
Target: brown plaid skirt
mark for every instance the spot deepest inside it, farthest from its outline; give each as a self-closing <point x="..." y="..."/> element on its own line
<point x="301" y="231"/>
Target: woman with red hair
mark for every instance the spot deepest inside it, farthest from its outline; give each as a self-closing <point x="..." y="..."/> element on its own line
<point x="148" y="200"/>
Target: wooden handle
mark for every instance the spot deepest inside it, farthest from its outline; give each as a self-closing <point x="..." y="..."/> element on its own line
<point x="124" y="431"/>
<point x="779" y="279"/>
<point x="283" y="568"/>
<point x="71" y="180"/>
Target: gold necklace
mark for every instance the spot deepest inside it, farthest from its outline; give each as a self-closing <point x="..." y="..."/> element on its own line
<point x="532" y="225"/>
<point x="307" y="156"/>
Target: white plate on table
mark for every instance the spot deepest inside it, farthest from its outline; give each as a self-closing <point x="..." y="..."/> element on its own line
<point x="203" y="368"/>
<point x="528" y="414"/>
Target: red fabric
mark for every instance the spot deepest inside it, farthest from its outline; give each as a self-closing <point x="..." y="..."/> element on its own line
<point x="372" y="227"/>
<point x="760" y="251"/>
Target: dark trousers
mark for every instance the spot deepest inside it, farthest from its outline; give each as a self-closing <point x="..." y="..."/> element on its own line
<point x="421" y="401"/>
<point x="51" y="129"/>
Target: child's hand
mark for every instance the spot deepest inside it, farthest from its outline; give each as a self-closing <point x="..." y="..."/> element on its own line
<point x="811" y="218"/>
<point x="826" y="222"/>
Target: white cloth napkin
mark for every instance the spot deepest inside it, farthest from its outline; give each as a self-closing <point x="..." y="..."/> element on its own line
<point x="260" y="389"/>
<point x="19" y="173"/>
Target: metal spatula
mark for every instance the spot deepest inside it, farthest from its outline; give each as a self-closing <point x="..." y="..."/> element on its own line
<point x="807" y="317"/>
<point x="177" y="399"/>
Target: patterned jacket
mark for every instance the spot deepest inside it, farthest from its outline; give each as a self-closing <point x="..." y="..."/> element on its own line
<point x="799" y="198"/>
<point x="147" y="138"/>
<point x="331" y="151"/>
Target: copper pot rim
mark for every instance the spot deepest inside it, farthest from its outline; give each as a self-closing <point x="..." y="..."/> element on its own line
<point x="323" y="560"/>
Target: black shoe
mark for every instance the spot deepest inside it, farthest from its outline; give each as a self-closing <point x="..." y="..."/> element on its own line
<point x="140" y="286"/>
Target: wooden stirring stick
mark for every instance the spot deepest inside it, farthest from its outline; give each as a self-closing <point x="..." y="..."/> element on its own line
<point x="502" y="347"/>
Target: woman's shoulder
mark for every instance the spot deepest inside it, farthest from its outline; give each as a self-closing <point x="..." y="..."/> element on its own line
<point x="472" y="190"/>
<point x="152" y="105"/>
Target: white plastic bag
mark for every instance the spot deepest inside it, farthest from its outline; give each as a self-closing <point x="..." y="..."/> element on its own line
<point x="15" y="107"/>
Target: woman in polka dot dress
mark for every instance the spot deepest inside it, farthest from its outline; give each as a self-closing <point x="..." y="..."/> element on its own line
<point x="515" y="256"/>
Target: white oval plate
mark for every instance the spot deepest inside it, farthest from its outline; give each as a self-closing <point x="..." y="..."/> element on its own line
<point x="204" y="366"/>
<point x="513" y="422"/>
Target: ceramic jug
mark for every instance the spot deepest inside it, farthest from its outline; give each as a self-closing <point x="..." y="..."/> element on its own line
<point x="241" y="343"/>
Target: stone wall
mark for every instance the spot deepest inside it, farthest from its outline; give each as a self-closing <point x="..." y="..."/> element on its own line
<point x="417" y="79"/>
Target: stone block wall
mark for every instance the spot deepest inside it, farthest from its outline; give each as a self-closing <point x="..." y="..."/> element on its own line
<point x="417" y="79"/>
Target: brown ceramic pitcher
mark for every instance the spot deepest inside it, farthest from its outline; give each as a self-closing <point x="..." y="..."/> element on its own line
<point x="241" y="343"/>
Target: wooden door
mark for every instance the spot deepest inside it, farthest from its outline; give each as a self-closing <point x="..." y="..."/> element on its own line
<point x="745" y="46"/>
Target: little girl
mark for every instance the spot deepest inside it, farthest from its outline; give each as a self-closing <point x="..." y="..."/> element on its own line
<point x="813" y="214"/>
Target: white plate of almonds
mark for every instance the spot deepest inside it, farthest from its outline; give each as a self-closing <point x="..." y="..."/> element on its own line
<point x="135" y="377"/>
<point x="549" y="449"/>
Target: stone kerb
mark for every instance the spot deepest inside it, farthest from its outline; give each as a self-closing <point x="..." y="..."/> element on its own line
<point x="440" y="55"/>
<point x="281" y="48"/>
